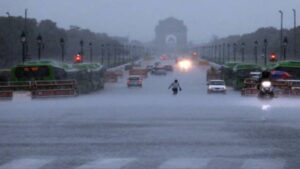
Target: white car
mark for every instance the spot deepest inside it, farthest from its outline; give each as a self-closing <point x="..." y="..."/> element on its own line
<point x="216" y="86"/>
<point x="134" y="81"/>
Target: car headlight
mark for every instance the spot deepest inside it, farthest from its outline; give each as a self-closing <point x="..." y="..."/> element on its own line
<point x="266" y="84"/>
<point x="185" y="64"/>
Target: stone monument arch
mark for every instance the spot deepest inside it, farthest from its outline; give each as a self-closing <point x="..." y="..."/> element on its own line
<point x="171" y="36"/>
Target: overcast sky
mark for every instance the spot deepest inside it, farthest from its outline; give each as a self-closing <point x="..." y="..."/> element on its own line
<point x="138" y="18"/>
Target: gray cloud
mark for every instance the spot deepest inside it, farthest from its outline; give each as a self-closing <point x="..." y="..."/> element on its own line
<point x="138" y="18"/>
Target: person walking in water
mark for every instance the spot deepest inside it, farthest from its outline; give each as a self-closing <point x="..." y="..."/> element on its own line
<point x="175" y="86"/>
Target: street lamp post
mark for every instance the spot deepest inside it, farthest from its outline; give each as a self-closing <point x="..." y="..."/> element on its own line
<point x="39" y="42"/>
<point x="228" y="51"/>
<point x="295" y="32"/>
<point x="216" y="53"/>
<point x="234" y="51"/>
<point x="265" y="51"/>
<point x="208" y="52"/>
<point x="25" y="21"/>
<point x="133" y="53"/>
<point x="256" y="51"/>
<point x="81" y="43"/>
<point x="108" y="54"/>
<point x="91" y="52"/>
<point x="220" y="54"/>
<point x="120" y="54"/>
<point x="23" y="41"/>
<point x="118" y="58"/>
<point x="102" y="53"/>
<point x="123" y="53"/>
<point x="211" y="52"/>
<point x="243" y="51"/>
<point x="9" y="34"/>
<point x="115" y="55"/>
<point x="223" y="55"/>
<point x="62" y="45"/>
<point x="285" y="45"/>
<point x="281" y="32"/>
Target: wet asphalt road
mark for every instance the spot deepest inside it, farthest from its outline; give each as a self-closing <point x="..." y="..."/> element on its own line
<point x="148" y="128"/>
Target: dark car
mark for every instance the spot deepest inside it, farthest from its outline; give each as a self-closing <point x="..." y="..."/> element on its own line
<point x="149" y="67"/>
<point x="168" y="67"/>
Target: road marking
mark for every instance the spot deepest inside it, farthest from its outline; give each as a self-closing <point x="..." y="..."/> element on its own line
<point x="110" y="163"/>
<point x="185" y="163"/>
<point x="263" y="164"/>
<point x="26" y="163"/>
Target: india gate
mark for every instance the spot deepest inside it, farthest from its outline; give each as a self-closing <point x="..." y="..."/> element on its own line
<point x="171" y="36"/>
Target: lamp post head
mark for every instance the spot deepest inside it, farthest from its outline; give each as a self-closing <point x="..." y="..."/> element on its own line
<point x="23" y="37"/>
<point x="265" y="42"/>
<point x="62" y="41"/>
<point x="39" y="39"/>
<point x="285" y="41"/>
<point x="243" y="44"/>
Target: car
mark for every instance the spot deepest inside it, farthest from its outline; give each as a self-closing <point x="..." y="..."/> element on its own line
<point x="159" y="71"/>
<point x="149" y="67"/>
<point x="168" y="67"/>
<point x="157" y="64"/>
<point x="216" y="86"/>
<point x="134" y="81"/>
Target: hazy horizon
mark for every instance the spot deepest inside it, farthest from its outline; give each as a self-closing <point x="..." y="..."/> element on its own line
<point x="137" y="19"/>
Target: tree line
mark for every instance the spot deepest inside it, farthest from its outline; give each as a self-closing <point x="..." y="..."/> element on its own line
<point x="264" y="40"/>
<point x="11" y="29"/>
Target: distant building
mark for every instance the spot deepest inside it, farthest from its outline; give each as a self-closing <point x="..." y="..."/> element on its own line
<point x="171" y="36"/>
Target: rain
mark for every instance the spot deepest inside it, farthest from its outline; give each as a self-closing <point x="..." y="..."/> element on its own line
<point x="130" y="84"/>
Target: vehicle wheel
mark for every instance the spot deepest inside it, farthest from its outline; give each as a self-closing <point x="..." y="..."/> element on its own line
<point x="208" y="92"/>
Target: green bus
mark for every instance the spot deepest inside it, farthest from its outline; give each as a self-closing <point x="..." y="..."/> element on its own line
<point x="227" y="71"/>
<point x="88" y="76"/>
<point x="242" y="71"/>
